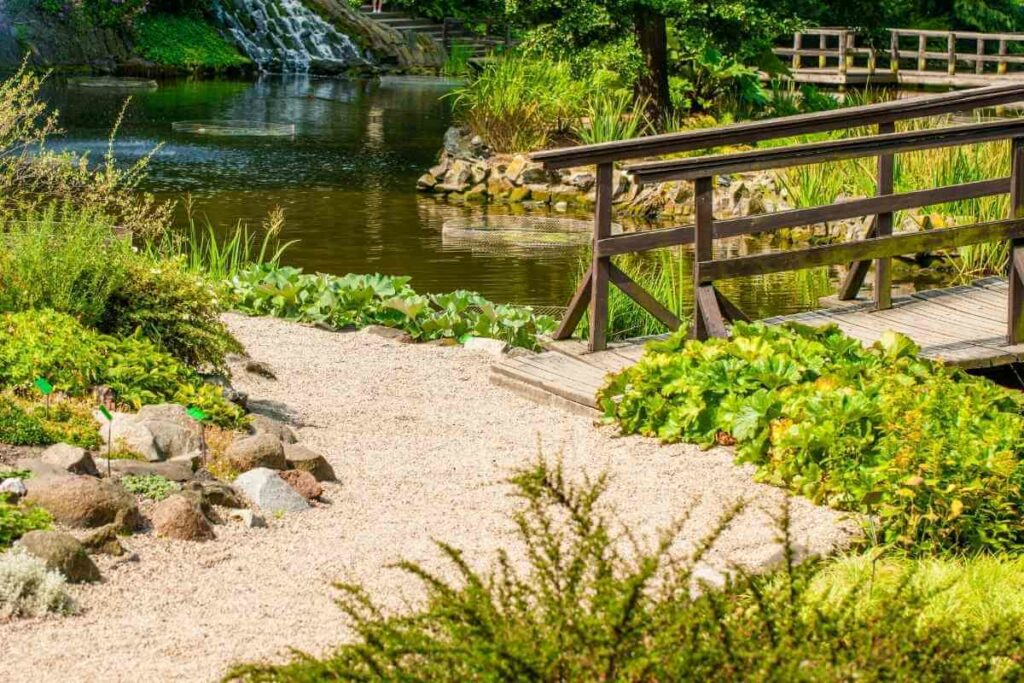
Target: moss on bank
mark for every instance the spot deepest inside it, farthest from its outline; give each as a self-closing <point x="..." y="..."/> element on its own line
<point x="185" y="41"/>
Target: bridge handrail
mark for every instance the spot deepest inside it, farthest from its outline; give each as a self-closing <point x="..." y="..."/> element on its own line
<point x="712" y="308"/>
<point x="749" y="132"/>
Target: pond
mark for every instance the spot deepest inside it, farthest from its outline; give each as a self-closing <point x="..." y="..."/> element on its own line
<point x="341" y="157"/>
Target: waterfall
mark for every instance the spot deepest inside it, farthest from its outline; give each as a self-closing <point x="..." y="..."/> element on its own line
<point x="285" y="35"/>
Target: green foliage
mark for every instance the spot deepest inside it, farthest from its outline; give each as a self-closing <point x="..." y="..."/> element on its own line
<point x="17" y="428"/>
<point x="185" y="41"/>
<point x="931" y="453"/>
<point x="15" y="474"/>
<point x="210" y="399"/>
<point x="361" y="300"/>
<point x="587" y="605"/>
<point x="151" y="486"/>
<point x="74" y="359"/>
<point x="173" y="308"/>
<point x="29" y="589"/>
<point x="95" y="13"/>
<point x="16" y="520"/>
<point x="24" y="422"/>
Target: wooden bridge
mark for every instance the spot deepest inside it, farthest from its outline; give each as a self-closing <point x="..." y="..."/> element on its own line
<point x="953" y="59"/>
<point x="981" y="325"/>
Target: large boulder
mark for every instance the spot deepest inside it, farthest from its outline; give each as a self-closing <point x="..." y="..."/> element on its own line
<point x="103" y="540"/>
<point x="123" y="433"/>
<point x="63" y="553"/>
<point x="259" y="450"/>
<point x="261" y="424"/>
<point x="269" y="492"/>
<point x="174" y="432"/>
<point x="216" y="493"/>
<point x="179" y="470"/>
<point x="85" y="502"/>
<point x="180" y="518"/>
<point x="304" y="483"/>
<point x="301" y="458"/>
<point x="73" y="459"/>
<point x="13" y="489"/>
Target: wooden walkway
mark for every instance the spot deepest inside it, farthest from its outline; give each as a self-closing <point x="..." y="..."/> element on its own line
<point x="964" y="326"/>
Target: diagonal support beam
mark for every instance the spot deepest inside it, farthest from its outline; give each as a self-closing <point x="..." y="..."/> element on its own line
<point x="858" y="270"/>
<point x="732" y="311"/>
<point x="577" y="307"/>
<point x="644" y="299"/>
<point x="710" y="314"/>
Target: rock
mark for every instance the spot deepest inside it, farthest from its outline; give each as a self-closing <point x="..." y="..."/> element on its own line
<point x="534" y="173"/>
<point x="174" y="432"/>
<point x="426" y="182"/>
<point x="388" y="333"/>
<point x="438" y="172"/>
<point x="303" y="482"/>
<point x="178" y="471"/>
<point x="477" y="193"/>
<point x="540" y="193"/>
<point x="621" y="184"/>
<point x="14" y="489"/>
<point x="269" y="492"/>
<point x="494" y="347"/>
<point x="169" y="412"/>
<point x="127" y="435"/>
<point x="582" y="181"/>
<point x="479" y="173"/>
<point x="519" y="194"/>
<point x="180" y="518"/>
<point x="262" y="450"/>
<point x="103" y="540"/>
<point x="63" y="553"/>
<point x="514" y="170"/>
<point x="261" y="424"/>
<point x="301" y="458"/>
<point x="561" y="207"/>
<point x="71" y="458"/>
<point x="217" y="493"/>
<point x="85" y="502"/>
<point x="248" y="518"/>
<point x="704" y="578"/>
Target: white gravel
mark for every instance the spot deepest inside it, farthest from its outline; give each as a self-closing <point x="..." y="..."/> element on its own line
<point x="421" y="442"/>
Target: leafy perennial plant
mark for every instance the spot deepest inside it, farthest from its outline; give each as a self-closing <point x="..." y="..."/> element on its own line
<point x="361" y="300"/>
<point x="931" y="454"/>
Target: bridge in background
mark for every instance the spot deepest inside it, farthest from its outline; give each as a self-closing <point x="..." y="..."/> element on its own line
<point x="954" y="59"/>
<point x="976" y="326"/>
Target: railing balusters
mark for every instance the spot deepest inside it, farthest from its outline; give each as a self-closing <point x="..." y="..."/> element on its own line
<point x="979" y="65"/>
<point x="1015" y="294"/>
<point x="951" y="54"/>
<point x="822" y="46"/>
<point x="601" y="266"/>
<point x="894" y="52"/>
<point x="797" y="46"/>
<point x="1001" y="68"/>
<point x="922" y="47"/>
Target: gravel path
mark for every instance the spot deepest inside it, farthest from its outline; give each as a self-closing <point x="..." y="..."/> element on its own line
<point x="421" y="442"/>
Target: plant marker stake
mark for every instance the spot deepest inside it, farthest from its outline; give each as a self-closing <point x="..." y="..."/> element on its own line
<point x="110" y="434"/>
<point x="46" y="388"/>
<point x="199" y="416"/>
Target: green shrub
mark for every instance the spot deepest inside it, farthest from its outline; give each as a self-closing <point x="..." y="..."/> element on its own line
<point x="587" y="605"/>
<point x="210" y="399"/>
<point x="185" y="41"/>
<point x="361" y="300"/>
<point x="29" y="589"/>
<point x="151" y="486"/>
<point x="75" y="359"/>
<point x="27" y="423"/>
<point x="931" y="453"/>
<point x="176" y="310"/>
<point x="17" y="428"/>
<point x="18" y="519"/>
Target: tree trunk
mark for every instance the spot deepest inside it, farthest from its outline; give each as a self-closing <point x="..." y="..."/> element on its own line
<point x="652" y="38"/>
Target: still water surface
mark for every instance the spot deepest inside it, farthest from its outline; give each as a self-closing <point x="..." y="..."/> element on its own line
<point x="345" y="180"/>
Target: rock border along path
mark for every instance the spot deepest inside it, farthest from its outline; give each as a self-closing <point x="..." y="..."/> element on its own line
<point x="420" y="441"/>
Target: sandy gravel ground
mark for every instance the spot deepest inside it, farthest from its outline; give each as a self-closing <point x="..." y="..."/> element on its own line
<point x="421" y="442"/>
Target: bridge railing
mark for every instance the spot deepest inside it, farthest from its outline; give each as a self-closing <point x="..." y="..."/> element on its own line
<point x="938" y="52"/>
<point x="712" y="309"/>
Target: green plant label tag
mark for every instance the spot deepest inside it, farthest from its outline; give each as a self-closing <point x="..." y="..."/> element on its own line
<point x="106" y="413"/>
<point x="196" y="414"/>
<point x="44" y="386"/>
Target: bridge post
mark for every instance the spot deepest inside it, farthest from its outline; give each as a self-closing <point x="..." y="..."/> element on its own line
<point x="1015" y="279"/>
<point x="822" y="46"/>
<point x="798" y="40"/>
<point x="843" y="46"/>
<point x="883" y="224"/>
<point x="894" y="51"/>
<point x="922" y="47"/>
<point x="979" y="64"/>
<point x="1001" y="68"/>
<point x="703" y="242"/>
<point x="951" y="54"/>
<point x="601" y="266"/>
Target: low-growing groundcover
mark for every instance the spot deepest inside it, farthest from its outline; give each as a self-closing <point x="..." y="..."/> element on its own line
<point x="361" y="300"/>
<point x="590" y="607"/>
<point x="931" y="453"/>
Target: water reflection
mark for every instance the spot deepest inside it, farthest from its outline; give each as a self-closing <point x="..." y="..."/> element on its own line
<point x="345" y="181"/>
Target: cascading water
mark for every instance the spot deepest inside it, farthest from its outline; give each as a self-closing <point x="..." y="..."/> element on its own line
<point x="285" y="35"/>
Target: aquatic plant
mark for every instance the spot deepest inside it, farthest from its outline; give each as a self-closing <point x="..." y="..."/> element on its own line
<point x="932" y="454"/>
<point x="589" y="602"/>
<point x="361" y="300"/>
